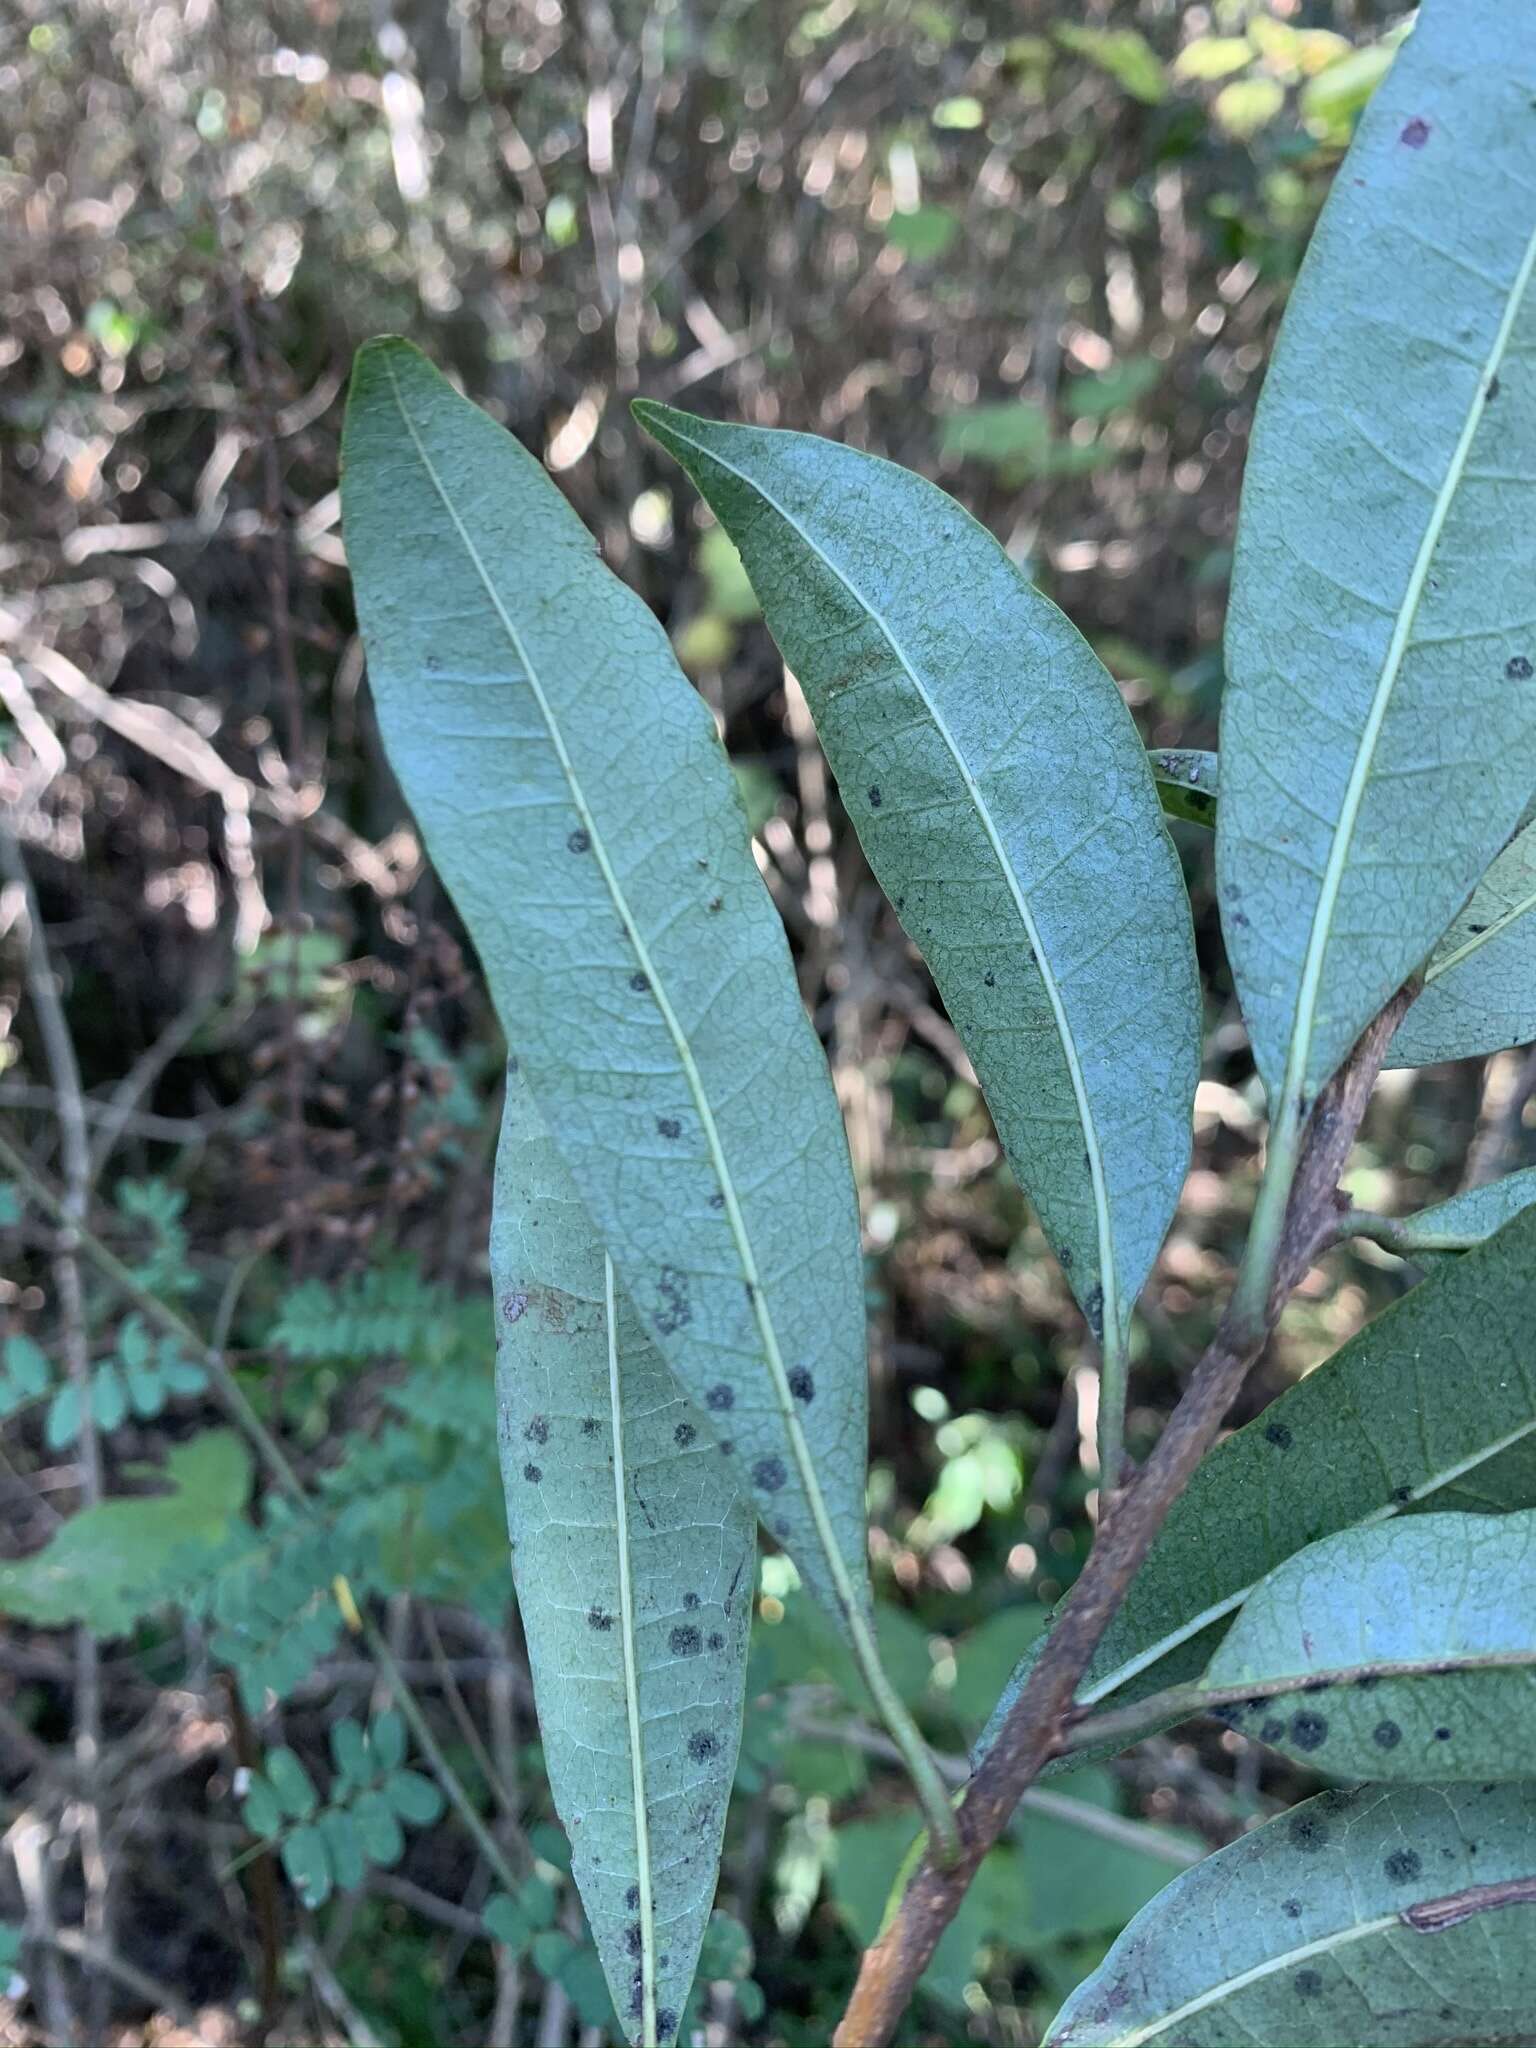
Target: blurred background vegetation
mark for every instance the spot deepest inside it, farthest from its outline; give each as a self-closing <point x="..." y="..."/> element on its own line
<point x="1038" y="255"/>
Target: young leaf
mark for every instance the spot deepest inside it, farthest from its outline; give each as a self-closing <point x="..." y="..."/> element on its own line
<point x="1378" y="729"/>
<point x="1441" y="1608"/>
<point x="1186" y="782"/>
<point x="1403" y="1915"/>
<point x="1480" y="986"/>
<point x="633" y="1544"/>
<point x="996" y="780"/>
<point x="1432" y="1406"/>
<point x="1476" y="1213"/>
<point x="576" y="801"/>
<point x="307" y="1861"/>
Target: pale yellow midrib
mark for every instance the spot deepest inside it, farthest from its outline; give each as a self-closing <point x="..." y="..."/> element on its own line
<point x="1475" y="941"/>
<point x="1305" y="1018"/>
<point x="1108" y="1274"/>
<point x="810" y="1482"/>
<point x="631" y="1673"/>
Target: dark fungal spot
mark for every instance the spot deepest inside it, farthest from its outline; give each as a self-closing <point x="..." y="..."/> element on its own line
<point x="989" y="979"/>
<point x="685" y="1641"/>
<point x="1308" y="1983"/>
<point x="716" y="903"/>
<point x="1386" y="1735"/>
<point x="590" y="1425"/>
<point x="532" y="1474"/>
<point x="1402" y="1494"/>
<point x="578" y="841"/>
<point x="801" y="1385"/>
<point x="684" y="1435"/>
<point x="1291" y="1908"/>
<point x="537" y="1431"/>
<point x="1308" y="1834"/>
<point x="639" y="984"/>
<point x="727" y="1447"/>
<point x="675" y="1310"/>
<point x="690" y="1601"/>
<point x="702" y="1746"/>
<point x="717" y="1641"/>
<point x="1403" y="1866"/>
<point x="1494" y="388"/>
<point x="669" y="1126"/>
<point x="634" y="1940"/>
<point x="751" y="1292"/>
<point x="1064" y="1253"/>
<point x="637" y="1994"/>
<point x="599" y="1620"/>
<point x="769" y="1474"/>
<point x="1309" y="1731"/>
<point x="1277" y="1434"/>
<point x="1415" y="132"/>
<point x="1093" y="1309"/>
<point x="1369" y="1683"/>
<point x="717" y="1200"/>
<point x="720" y="1397"/>
<point x="513" y="1305"/>
<point x="1272" y="1731"/>
<point x="1442" y="1735"/>
<point x="666" y="2023"/>
<point x="632" y="1899"/>
<point x="1518" y="668"/>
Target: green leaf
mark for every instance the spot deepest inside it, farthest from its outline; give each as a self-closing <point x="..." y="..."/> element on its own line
<point x="414" y="1798"/>
<point x="1247" y="105"/>
<point x="1452" y="1592"/>
<point x="291" y="1783"/>
<point x="1477" y="1213"/>
<point x="506" y="1924"/>
<point x="308" y="1864"/>
<point x="109" y="1398"/>
<point x="25" y="1368"/>
<point x="1432" y="1407"/>
<point x="61" y="1425"/>
<point x="349" y="1753"/>
<point x="386" y="1740"/>
<point x="1402" y="1915"/>
<point x="1186" y="782"/>
<point x="262" y="1813"/>
<point x="146" y="1389"/>
<point x="1480" y="986"/>
<point x="998" y="785"/>
<point x="924" y="233"/>
<point x="1210" y="57"/>
<point x="1378" y="730"/>
<point x="633" y="1548"/>
<point x="1125" y="55"/>
<point x="577" y="803"/>
<point x="344" y="1847"/>
<point x="377" y="1828"/>
<point x="106" y="1566"/>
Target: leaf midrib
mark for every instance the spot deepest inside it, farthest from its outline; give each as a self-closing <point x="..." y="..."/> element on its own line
<point x="1108" y="1275"/>
<point x="821" y="1520"/>
<point x="1476" y="940"/>
<point x="1305" y="1018"/>
<point x="647" y="1911"/>
<point x="1133" y="1666"/>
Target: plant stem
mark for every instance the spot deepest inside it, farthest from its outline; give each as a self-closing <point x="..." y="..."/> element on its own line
<point x="1402" y="1237"/>
<point x="1114" y="1390"/>
<point x="915" y="1754"/>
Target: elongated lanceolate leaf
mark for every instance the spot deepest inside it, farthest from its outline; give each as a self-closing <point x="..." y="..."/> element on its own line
<point x="1397" y="1917"/>
<point x="1480" y="986"/>
<point x="1186" y="779"/>
<point x="1476" y="1213"/>
<point x="577" y="802"/>
<point x="1378" y="730"/>
<point x="633" y="1547"/>
<point x="1441" y="1608"/>
<point x="1432" y="1406"/>
<point x="997" y="783"/>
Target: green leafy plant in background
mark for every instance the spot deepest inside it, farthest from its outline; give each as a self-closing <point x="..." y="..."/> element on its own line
<point x="678" y="1294"/>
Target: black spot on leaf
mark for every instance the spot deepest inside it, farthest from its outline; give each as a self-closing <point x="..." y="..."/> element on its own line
<point x="702" y="1746"/>
<point x="632" y="1898"/>
<point x="666" y="2023"/>
<point x="513" y="1305"/>
<point x="727" y="1447"/>
<point x="801" y="1385"/>
<point x="685" y="1641"/>
<point x="675" y="1310"/>
<point x="1291" y="1908"/>
<point x="1519" y="669"/>
<point x="874" y="796"/>
<point x="590" y="1425"/>
<point x="1308" y="1833"/>
<point x="1415" y="132"/>
<point x="684" y="1435"/>
<point x="1494" y="388"/>
<point x="1402" y="1866"/>
<point x="720" y="1398"/>
<point x="1309" y="1731"/>
<point x="634" y="1940"/>
<point x="599" y="1620"/>
<point x="669" y="1126"/>
<point x="716" y="903"/>
<point x="989" y="980"/>
<point x="537" y="1431"/>
<point x="1277" y="1434"/>
<point x="578" y="841"/>
<point x="717" y="1641"/>
<point x="690" y="1601"/>
<point x="639" y="984"/>
<point x="1386" y="1735"/>
<point x="532" y="1474"/>
<point x="1272" y="1731"/>
<point x="1308" y="1983"/>
<point x="1064" y="1253"/>
<point x="1442" y="1735"/>
<point x="769" y="1474"/>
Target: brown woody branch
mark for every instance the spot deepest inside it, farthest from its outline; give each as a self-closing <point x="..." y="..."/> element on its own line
<point x="1031" y="1732"/>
